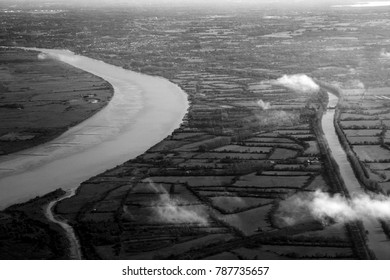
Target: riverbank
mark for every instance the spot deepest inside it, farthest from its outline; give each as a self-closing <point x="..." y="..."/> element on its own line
<point x="376" y="239"/>
<point x="42" y="97"/>
<point x="74" y="250"/>
<point x="116" y="214"/>
<point x="354" y="229"/>
<point x="27" y="234"/>
<point x="358" y="168"/>
<point x="142" y="112"/>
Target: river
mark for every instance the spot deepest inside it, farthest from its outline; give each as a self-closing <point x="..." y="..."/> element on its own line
<point x="143" y="111"/>
<point x="74" y="244"/>
<point x="377" y="241"/>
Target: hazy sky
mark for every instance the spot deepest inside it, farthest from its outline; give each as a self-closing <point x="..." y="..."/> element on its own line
<point x="99" y="2"/>
<point x="93" y="3"/>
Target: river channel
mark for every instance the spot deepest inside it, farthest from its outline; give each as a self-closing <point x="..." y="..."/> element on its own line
<point x="143" y="111"/>
<point x="377" y="240"/>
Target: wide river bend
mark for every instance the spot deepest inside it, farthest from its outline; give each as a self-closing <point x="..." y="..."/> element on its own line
<point x="143" y="111"/>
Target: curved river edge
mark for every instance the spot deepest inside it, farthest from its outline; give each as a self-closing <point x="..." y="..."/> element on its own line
<point x="75" y="252"/>
<point x="59" y="131"/>
<point x="143" y="111"/>
<point x="369" y="239"/>
<point x="159" y="108"/>
<point x="74" y="244"/>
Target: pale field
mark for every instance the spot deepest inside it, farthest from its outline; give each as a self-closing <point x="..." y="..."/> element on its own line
<point x="380" y="166"/>
<point x="363" y="140"/>
<point x="371" y="153"/>
<point x="385" y="187"/>
<point x="231" y="155"/>
<point x="281" y="153"/>
<point x="337" y="230"/>
<point x="361" y="124"/>
<point x="193" y="181"/>
<point x="270" y="144"/>
<point x="230" y="203"/>
<point x="269" y="139"/>
<point x="385" y="174"/>
<point x="243" y="149"/>
<point x="318" y="184"/>
<point x="271" y="181"/>
<point x="353" y="116"/>
<point x="362" y="132"/>
<point x="249" y="221"/>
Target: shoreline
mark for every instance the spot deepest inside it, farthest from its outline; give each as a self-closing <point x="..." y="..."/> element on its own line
<point x="333" y="169"/>
<point x="374" y="236"/>
<point x="32" y="228"/>
<point x="74" y="249"/>
<point x="52" y="133"/>
<point x="150" y="124"/>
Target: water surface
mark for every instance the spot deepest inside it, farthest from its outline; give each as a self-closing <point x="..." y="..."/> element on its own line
<point x="143" y="111"/>
<point x="377" y="240"/>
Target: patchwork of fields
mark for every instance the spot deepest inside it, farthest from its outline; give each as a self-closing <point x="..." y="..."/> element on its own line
<point x="365" y="120"/>
<point x="212" y="189"/>
<point x="214" y="184"/>
<point x="41" y="98"/>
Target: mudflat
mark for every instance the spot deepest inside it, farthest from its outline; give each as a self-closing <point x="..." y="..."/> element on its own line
<point x="40" y="98"/>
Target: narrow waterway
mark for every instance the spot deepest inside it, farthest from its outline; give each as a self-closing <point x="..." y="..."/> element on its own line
<point x="74" y="245"/>
<point x="376" y="239"/>
<point x="143" y="111"/>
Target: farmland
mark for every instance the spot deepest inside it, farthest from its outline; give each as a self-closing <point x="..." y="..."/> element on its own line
<point x="366" y="133"/>
<point x="195" y="186"/>
<point x="211" y="189"/>
<point x="38" y="102"/>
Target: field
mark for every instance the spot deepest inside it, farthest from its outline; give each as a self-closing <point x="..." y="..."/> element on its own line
<point x="38" y="102"/>
<point x="178" y="207"/>
<point x="211" y="188"/>
<point x="371" y="153"/>
<point x="25" y="233"/>
<point x="369" y="139"/>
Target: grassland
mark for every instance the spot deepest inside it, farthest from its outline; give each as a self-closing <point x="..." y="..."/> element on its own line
<point x="367" y="140"/>
<point x="212" y="188"/>
<point x="42" y="98"/>
<point x="199" y="184"/>
<point x="25" y="233"/>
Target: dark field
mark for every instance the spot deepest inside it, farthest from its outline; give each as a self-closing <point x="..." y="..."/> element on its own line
<point x="212" y="189"/>
<point x="42" y="98"/>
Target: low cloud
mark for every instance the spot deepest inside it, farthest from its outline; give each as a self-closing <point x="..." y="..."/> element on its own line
<point x="323" y="207"/>
<point x="277" y="118"/>
<point x="42" y="56"/>
<point x="385" y="54"/>
<point x="61" y="55"/>
<point x="299" y="83"/>
<point x="170" y="210"/>
<point x="264" y="105"/>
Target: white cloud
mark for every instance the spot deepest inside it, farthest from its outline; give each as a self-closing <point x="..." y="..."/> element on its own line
<point x="321" y="206"/>
<point x="299" y="83"/>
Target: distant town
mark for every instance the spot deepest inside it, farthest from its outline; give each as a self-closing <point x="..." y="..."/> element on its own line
<point x="248" y="143"/>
